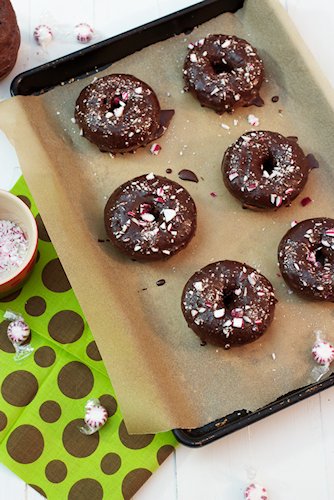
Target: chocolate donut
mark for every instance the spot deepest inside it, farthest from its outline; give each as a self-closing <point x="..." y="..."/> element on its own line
<point x="265" y="170"/>
<point x="9" y="38"/>
<point x="224" y="72"/>
<point x="150" y="218"/>
<point x="306" y="258"/>
<point x="228" y="303"/>
<point x="120" y="113"/>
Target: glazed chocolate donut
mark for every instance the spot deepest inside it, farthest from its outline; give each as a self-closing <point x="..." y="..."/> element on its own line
<point x="224" y="72"/>
<point x="306" y="258"/>
<point x="10" y="38"/>
<point x="265" y="170"/>
<point x="120" y="113"/>
<point x="150" y="218"/>
<point x="228" y="303"/>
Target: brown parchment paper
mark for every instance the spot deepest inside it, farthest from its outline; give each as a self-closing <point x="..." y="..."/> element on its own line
<point x="162" y="376"/>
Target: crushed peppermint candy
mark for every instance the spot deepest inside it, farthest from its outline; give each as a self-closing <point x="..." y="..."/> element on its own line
<point x="83" y="32"/>
<point x="155" y="149"/>
<point x="305" y="201"/>
<point x="225" y="126"/>
<point x="193" y="58"/>
<point x="253" y="120"/>
<point x="13" y="246"/>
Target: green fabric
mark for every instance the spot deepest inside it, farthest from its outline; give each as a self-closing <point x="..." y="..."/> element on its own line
<point x="42" y="394"/>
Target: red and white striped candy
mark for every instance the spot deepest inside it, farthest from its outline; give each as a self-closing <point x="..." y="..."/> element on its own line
<point x="96" y="416"/>
<point x="43" y="35"/>
<point x="18" y="332"/>
<point x="84" y="32"/>
<point x="256" y="492"/>
<point x="323" y="352"/>
<point x="155" y="149"/>
<point x="330" y="232"/>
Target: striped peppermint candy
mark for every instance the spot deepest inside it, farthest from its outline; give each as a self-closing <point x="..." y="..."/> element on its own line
<point x="96" y="416"/>
<point x="323" y="352"/>
<point x="18" y="332"/>
<point x="256" y="492"/>
<point x="84" y="32"/>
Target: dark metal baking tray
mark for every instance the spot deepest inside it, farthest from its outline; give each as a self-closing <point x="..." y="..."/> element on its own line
<point x="101" y="55"/>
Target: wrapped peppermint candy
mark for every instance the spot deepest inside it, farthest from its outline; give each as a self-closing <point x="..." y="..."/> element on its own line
<point x="43" y="35"/>
<point x="95" y="417"/>
<point x="323" y="355"/>
<point x="18" y="333"/>
<point x="255" y="492"/>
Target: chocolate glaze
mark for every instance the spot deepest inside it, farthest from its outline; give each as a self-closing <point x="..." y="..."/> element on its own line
<point x="150" y="218"/>
<point x="10" y="38"/>
<point x="258" y="101"/>
<point x="120" y="113"/>
<point x="224" y="72"/>
<point x="265" y="170"/>
<point x="161" y="282"/>
<point x="228" y="303"/>
<point x="292" y="137"/>
<point x="306" y="258"/>
<point x="275" y="98"/>
<point x="188" y="175"/>
<point x="312" y="161"/>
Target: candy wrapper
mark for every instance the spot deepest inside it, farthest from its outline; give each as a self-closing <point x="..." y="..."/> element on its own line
<point x="323" y="355"/>
<point x="95" y="417"/>
<point x="18" y="333"/>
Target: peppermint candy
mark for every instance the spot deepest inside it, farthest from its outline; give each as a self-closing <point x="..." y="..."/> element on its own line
<point x="18" y="332"/>
<point x="256" y="492"/>
<point x="95" y="417"/>
<point x="43" y="35"/>
<point x="323" y="352"/>
<point x="84" y="32"/>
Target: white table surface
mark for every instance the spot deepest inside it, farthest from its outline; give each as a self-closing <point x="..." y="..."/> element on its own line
<point x="292" y="452"/>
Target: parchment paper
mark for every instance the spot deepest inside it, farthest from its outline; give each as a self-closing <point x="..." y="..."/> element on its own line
<point x="162" y="376"/>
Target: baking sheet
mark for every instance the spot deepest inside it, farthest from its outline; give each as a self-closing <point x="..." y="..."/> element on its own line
<point x="162" y="376"/>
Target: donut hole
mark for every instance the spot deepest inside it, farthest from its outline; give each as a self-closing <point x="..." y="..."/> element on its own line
<point x="148" y="208"/>
<point x="219" y="67"/>
<point x="320" y="257"/>
<point x="229" y="300"/>
<point x="112" y="104"/>
<point x="268" y="164"/>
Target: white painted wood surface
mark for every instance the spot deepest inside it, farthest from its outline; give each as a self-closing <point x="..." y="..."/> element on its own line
<point x="292" y="452"/>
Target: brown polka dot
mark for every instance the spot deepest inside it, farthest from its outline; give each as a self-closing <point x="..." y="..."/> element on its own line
<point x="45" y="356"/>
<point x="76" y="443"/>
<point x="111" y="463"/>
<point x="54" y="277"/>
<point x="35" y="306"/>
<point x="25" y="444"/>
<point x="133" y="441"/>
<point x="11" y="297"/>
<point x="19" y="388"/>
<point x="86" y="489"/>
<point x="42" y="232"/>
<point x="3" y="421"/>
<point x="56" y="471"/>
<point x="5" y="343"/>
<point x="133" y="481"/>
<point x="50" y="411"/>
<point x="38" y="489"/>
<point x="25" y="199"/>
<point x="93" y="352"/>
<point x="110" y="404"/>
<point x="75" y="380"/>
<point x="164" y="452"/>
<point x="66" y="327"/>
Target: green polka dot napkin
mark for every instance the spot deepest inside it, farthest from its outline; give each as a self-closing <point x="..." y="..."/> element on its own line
<point x="42" y="397"/>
